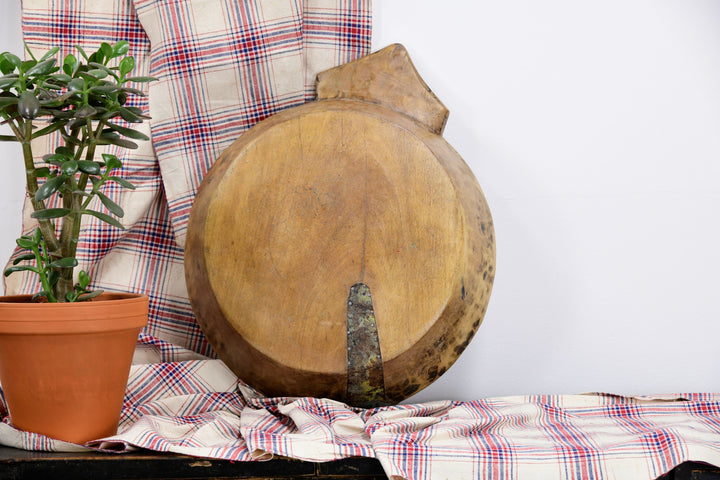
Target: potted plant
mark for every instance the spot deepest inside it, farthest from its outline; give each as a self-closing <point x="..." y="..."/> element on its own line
<point x="65" y="352"/>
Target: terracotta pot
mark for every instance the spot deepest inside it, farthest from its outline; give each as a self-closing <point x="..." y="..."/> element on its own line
<point x="64" y="366"/>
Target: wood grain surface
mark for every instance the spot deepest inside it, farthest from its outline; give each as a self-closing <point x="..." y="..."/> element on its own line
<point x="321" y="197"/>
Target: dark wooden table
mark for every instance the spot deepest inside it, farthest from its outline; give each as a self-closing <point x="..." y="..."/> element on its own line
<point x="695" y="471"/>
<point x="23" y="465"/>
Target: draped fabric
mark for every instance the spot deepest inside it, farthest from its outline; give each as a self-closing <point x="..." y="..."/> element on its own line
<point x="200" y="408"/>
<point x="224" y="65"/>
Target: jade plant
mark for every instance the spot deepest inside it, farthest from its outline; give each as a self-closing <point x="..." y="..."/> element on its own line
<point x="83" y="101"/>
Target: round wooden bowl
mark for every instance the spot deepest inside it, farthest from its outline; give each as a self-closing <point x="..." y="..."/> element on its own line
<point x="343" y="249"/>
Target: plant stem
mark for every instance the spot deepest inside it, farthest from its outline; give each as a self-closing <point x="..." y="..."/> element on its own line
<point x="71" y="227"/>
<point x="73" y="222"/>
<point x="46" y="226"/>
<point x="65" y="282"/>
<point x="40" y="262"/>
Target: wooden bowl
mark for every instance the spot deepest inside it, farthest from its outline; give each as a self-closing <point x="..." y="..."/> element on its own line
<point x="342" y="248"/>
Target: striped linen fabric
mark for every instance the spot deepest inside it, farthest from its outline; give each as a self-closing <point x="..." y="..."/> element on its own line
<point x="199" y="408"/>
<point x="592" y="436"/>
<point x="224" y="65"/>
<point x="144" y="258"/>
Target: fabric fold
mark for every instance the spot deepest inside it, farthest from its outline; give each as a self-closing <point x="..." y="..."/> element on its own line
<point x="522" y="437"/>
<point x="551" y="437"/>
<point x="312" y="429"/>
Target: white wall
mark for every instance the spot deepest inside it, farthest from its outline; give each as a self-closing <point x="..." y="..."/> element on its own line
<point x="12" y="178"/>
<point x="594" y="129"/>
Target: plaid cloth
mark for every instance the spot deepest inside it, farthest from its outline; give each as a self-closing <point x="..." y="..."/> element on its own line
<point x="549" y="437"/>
<point x="225" y="65"/>
<point x="144" y="258"/>
<point x="200" y="408"/>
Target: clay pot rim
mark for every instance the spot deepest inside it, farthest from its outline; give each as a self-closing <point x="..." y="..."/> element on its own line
<point x="109" y="312"/>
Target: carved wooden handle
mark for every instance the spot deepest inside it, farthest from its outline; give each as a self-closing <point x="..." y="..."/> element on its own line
<point x="387" y="78"/>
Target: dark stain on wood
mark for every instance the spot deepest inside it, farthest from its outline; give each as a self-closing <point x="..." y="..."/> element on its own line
<point x="365" y="382"/>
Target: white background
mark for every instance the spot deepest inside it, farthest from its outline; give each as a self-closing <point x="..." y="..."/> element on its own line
<point x="594" y="130"/>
